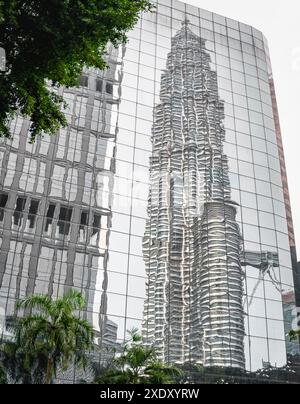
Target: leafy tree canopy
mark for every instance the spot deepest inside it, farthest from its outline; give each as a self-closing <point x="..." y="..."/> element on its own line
<point x="53" y="40"/>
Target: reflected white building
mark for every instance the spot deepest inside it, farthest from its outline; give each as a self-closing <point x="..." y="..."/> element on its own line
<point x="55" y="199"/>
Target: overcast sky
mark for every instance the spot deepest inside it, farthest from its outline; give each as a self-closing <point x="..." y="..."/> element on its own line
<point x="279" y="21"/>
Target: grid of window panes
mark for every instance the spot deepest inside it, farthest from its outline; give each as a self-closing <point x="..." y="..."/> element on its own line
<point x="55" y="198"/>
<point x="80" y="199"/>
<point x="238" y="55"/>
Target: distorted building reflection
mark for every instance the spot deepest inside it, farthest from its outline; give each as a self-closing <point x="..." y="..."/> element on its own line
<point x="193" y="245"/>
<point x="55" y="199"/>
<point x="201" y="265"/>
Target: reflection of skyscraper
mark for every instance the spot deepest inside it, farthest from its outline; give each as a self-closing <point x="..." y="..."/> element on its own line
<point x="193" y="245"/>
<point x="55" y="199"/>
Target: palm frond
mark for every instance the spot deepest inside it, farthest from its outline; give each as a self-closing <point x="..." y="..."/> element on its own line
<point x="169" y="370"/>
<point x="134" y="335"/>
<point x="40" y="302"/>
<point x="74" y="299"/>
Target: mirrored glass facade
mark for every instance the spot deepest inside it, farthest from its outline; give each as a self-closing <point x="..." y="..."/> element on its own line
<point x="163" y="200"/>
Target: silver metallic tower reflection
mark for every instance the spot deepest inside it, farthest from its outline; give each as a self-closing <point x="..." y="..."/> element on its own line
<point x="192" y="244"/>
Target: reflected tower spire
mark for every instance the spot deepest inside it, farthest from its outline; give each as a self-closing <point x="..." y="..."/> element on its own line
<point x="192" y="243"/>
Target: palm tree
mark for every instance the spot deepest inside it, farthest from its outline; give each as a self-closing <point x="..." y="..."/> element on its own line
<point x="52" y="330"/>
<point x="137" y="364"/>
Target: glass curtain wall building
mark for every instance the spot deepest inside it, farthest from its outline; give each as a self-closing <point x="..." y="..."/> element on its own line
<point x="165" y="200"/>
